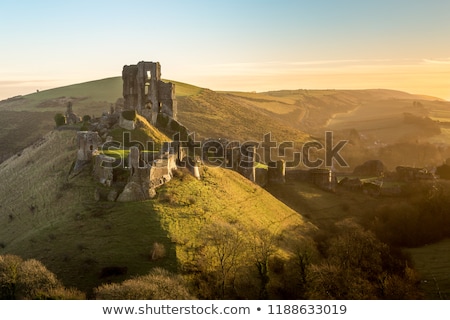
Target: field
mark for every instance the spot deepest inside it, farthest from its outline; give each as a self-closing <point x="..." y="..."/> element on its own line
<point x="383" y="120"/>
<point x="433" y="263"/>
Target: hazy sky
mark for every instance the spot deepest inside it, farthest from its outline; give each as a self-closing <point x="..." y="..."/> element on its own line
<point x="230" y="45"/>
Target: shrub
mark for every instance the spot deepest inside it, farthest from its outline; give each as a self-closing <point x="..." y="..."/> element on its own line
<point x="129" y="115"/>
<point x="159" y="284"/>
<point x="113" y="271"/>
<point x="86" y="118"/>
<point x="30" y="279"/>
<point x="60" y="119"/>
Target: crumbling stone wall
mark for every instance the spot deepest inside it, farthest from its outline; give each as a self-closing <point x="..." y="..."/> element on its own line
<point x="88" y="142"/>
<point x="103" y="169"/>
<point x="145" y="92"/>
<point x="145" y="177"/>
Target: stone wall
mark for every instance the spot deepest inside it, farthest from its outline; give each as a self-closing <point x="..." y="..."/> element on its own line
<point x="145" y="177"/>
<point x="103" y="169"/>
<point x="88" y="142"/>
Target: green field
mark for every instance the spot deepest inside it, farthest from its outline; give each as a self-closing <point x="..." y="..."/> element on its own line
<point x="433" y="264"/>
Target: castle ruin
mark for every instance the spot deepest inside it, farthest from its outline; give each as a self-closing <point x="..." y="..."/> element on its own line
<point x="145" y="92"/>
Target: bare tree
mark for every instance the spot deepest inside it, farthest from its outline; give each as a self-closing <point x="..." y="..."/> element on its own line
<point x="223" y="250"/>
<point x="263" y="248"/>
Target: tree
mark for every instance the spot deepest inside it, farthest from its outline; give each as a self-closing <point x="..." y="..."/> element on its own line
<point x="304" y="255"/>
<point x="356" y="249"/>
<point x="223" y="248"/>
<point x="60" y="119"/>
<point x="328" y="281"/>
<point x="263" y="247"/>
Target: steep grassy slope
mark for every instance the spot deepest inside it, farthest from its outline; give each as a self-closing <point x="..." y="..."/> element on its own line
<point x="45" y="216"/>
<point x="188" y="205"/>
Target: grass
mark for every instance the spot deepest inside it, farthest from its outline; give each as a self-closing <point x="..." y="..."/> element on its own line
<point x="214" y="115"/>
<point x="122" y="153"/>
<point x="145" y="134"/>
<point x="20" y="129"/>
<point x="187" y="205"/>
<point x="433" y="264"/>
<point x="383" y="119"/>
<point x="93" y="96"/>
<point x="276" y="105"/>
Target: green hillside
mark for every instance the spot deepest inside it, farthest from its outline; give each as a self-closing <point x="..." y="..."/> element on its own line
<point x="46" y="216"/>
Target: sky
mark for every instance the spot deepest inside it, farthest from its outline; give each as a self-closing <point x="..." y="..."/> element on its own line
<point x="229" y="45"/>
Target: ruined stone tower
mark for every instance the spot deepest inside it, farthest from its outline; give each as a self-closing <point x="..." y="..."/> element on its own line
<point x="145" y="92"/>
<point x="88" y="142"/>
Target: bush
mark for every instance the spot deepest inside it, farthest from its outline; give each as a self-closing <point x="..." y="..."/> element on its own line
<point x="159" y="284"/>
<point x="158" y="251"/>
<point x="30" y="279"/>
<point x="86" y="118"/>
<point x="129" y="115"/>
<point x="60" y="119"/>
